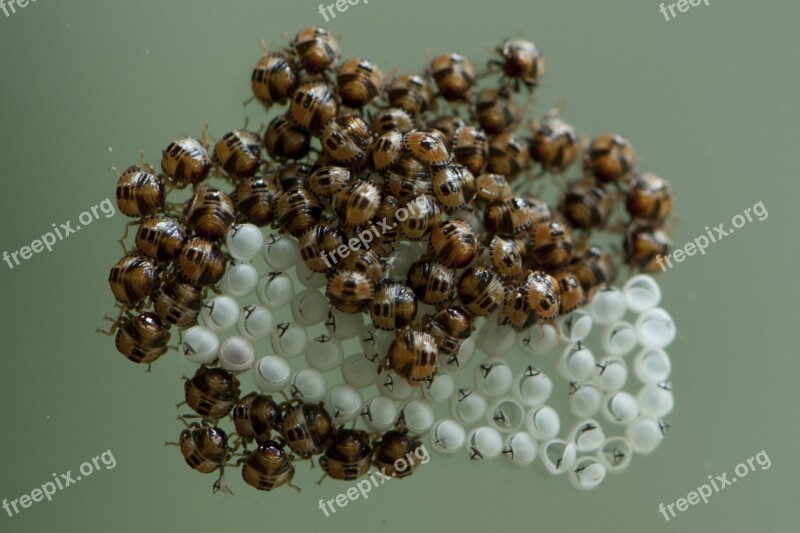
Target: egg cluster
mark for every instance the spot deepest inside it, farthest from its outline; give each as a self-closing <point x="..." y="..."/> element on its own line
<point x="387" y="231"/>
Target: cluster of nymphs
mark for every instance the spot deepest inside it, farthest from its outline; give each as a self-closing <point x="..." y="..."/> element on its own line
<point x="409" y="198"/>
<point x="307" y="429"/>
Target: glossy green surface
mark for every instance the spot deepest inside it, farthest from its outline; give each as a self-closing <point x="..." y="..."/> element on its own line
<point x="709" y="101"/>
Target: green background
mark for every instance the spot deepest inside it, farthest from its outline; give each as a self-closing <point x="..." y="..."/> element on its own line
<point x="708" y="99"/>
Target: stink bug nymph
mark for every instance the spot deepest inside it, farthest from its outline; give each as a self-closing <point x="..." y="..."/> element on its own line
<point x="268" y="467"/>
<point x="348" y="456"/>
<point x="412" y="355"/>
<point x="307" y="428"/>
<point x="211" y="392"/>
<point x="185" y="162"/>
